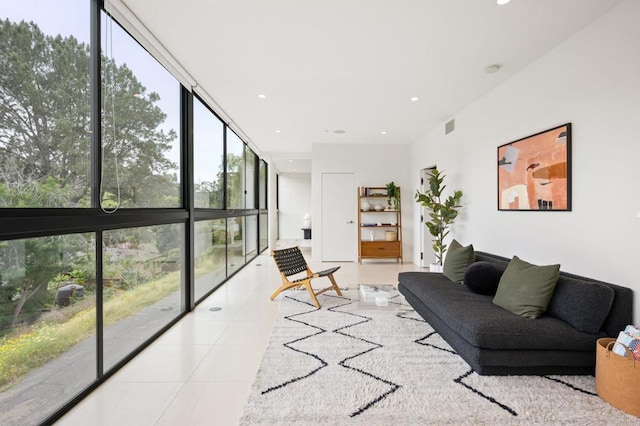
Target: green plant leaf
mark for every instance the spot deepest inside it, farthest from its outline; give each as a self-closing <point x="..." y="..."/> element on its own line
<point x="443" y="211"/>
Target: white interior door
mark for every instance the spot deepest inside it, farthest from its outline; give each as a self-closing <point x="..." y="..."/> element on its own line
<point x="338" y="217"/>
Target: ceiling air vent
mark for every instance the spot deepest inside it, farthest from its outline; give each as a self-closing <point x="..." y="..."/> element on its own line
<point x="449" y="126"/>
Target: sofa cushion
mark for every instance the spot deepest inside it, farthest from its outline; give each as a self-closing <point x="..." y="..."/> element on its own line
<point x="482" y="278"/>
<point x="499" y="262"/>
<point x="584" y="305"/>
<point x="457" y="260"/>
<point x="526" y="289"/>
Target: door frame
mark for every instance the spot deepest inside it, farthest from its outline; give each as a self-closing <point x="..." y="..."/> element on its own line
<point x="426" y="251"/>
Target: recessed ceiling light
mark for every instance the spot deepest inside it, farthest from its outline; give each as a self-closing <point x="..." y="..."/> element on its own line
<point x="414" y="99"/>
<point x="277" y="131"/>
<point x="339" y="132"/>
<point x="262" y="96"/>
<point x="384" y="132"/>
<point x="291" y="161"/>
<point x="502" y="2"/>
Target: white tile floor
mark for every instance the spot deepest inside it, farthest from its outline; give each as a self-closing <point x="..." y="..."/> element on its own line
<point x="200" y="372"/>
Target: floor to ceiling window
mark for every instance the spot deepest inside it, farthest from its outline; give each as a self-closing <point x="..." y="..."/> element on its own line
<point x="45" y="129"/>
<point x="48" y="311"/>
<point x="140" y="125"/>
<point x="263" y="222"/>
<point x="210" y="255"/>
<point x="250" y="178"/>
<point x="262" y="185"/>
<point x="142" y="279"/>
<point x="263" y="236"/>
<point x="97" y="229"/>
<point x="235" y="244"/>
<point x="208" y="157"/>
<point x="47" y="283"/>
<point x="235" y="171"/>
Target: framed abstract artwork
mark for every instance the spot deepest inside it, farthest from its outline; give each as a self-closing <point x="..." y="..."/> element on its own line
<point x="534" y="173"/>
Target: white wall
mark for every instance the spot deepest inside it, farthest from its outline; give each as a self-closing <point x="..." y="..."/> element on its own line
<point x="294" y="202"/>
<point x="593" y="81"/>
<point x="372" y="165"/>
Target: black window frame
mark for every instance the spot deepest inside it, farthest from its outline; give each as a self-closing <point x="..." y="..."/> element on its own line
<point x="22" y="223"/>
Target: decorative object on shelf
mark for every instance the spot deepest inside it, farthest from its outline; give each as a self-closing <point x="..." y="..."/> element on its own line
<point x="365" y="206"/>
<point x="534" y="173"/>
<point x="379" y="207"/>
<point x="393" y="196"/>
<point x="372" y="235"/>
<point x="306" y="226"/>
<point x="390" y="235"/>
<point x="306" y="221"/>
<point x="443" y="211"/>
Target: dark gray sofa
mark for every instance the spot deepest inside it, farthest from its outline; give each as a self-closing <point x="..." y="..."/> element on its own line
<point x="494" y="341"/>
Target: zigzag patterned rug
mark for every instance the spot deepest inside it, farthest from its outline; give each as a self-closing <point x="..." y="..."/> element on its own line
<point x="343" y="365"/>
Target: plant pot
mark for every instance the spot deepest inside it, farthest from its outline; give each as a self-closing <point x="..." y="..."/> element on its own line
<point x="435" y="267"/>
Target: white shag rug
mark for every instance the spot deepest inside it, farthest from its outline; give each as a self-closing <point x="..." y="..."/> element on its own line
<point x="345" y="365"/>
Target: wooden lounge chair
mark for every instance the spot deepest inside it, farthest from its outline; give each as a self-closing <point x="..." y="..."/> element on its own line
<point x="290" y="263"/>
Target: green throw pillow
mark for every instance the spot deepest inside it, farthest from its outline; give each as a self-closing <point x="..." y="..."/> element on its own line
<point x="457" y="260"/>
<point x="526" y="289"/>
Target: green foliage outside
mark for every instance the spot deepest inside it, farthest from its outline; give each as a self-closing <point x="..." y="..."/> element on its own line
<point x="45" y="162"/>
<point x="27" y="267"/>
<point x="45" y="145"/>
<point x="33" y="346"/>
<point x="235" y="175"/>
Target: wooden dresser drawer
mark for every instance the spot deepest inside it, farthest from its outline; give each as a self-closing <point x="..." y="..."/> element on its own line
<point x="380" y="249"/>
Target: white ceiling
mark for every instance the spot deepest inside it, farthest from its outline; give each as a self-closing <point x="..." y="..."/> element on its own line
<point x="353" y="65"/>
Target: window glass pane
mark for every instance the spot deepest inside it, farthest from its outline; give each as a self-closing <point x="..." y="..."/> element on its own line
<point x="142" y="282"/>
<point x="141" y="120"/>
<point x="235" y="171"/>
<point x="250" y="177"/>
<point x="208" y="144"/>
<point x="44" y="90"/>
<point x="262" y="185"/>
<point x="235" y="245"/>
<point x="210" y="255"/>
<point x="251" y="239"/>
<point x="264" y="232"/>
<point x="47" y="324"/>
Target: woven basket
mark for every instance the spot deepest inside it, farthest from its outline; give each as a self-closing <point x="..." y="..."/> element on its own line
<point x="617" y="377"/>
<point x="390" y="235"/>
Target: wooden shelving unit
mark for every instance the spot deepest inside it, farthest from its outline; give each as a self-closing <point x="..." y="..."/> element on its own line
<point x="379" y="230"/>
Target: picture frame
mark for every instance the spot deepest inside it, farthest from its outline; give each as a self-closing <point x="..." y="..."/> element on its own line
<point x="534" y="172"/>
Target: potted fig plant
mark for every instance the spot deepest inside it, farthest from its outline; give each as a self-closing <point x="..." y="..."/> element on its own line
<point x="443" y="211"/>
